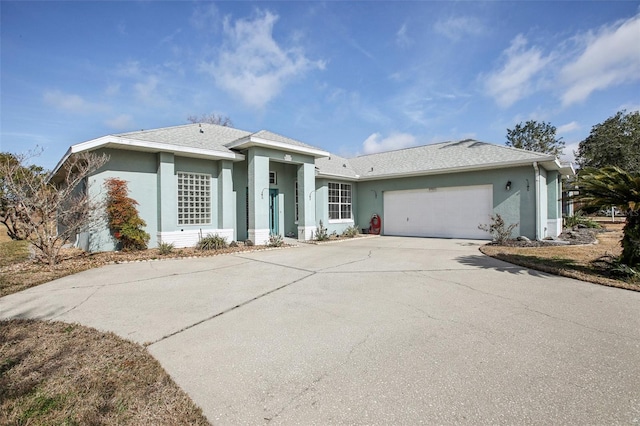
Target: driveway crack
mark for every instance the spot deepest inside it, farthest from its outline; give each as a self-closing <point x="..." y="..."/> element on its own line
<point x="81" y="303"/>
<point x="239" y="305"/>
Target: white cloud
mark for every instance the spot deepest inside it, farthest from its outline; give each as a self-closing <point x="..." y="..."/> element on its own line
<point x="568" y="128"/>
<point x="112" y="89"/>
<point x="121" y="122"/>
<point x="402" y="38"/>
<point x="147" y="91"/>
<point x="514" y="80"/>
<point x="69" y="102"/>
<point x="568" y="154"/>
<point x="609" y="57"/>
<point x="206" y="16"/>
<point x="459" y="27"/>
<point x="376" y="143"/>
<point x="252" y="65"/>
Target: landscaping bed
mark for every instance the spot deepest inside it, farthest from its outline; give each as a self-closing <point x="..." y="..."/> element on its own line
<point x="592" y="262"/>
<point x="21" y="272"/>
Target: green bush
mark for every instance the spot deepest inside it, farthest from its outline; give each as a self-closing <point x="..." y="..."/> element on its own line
<point x="351" y="231"/>
<point x="165" y="248"/>
<point x="212" y="242"/>
<point x="579" y="219"/>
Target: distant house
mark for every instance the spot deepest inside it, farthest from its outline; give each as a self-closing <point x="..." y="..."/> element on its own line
<point x="197" y="179"/>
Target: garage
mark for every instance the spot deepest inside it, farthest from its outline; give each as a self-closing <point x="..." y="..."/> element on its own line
<point x="453" y="212"/>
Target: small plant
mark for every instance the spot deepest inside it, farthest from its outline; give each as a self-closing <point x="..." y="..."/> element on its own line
<point x="233" y="244"/>
<point x="500" y="232"/>
<point x="351" y="231"/>
<point x="248" y="243"/>
<point x="275" y="240"/>
<point x="579" y="219"/>
<point x="212" y="242"/>
<point x="165" y="248"/>
<point x="321" y="233"/>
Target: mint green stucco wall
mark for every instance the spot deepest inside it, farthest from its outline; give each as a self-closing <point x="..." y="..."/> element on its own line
<point x="251" y="181"/>
<point x="554" y="197"/>
<point x="515" y="206"/>
<point x="322" y="206"/>
<point x="139" y="170"/>
<point x="152" y="182"/>
<point x="240" y="187"/>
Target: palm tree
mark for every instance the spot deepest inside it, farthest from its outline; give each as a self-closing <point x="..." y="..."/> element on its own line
<point x="612" y="186"/>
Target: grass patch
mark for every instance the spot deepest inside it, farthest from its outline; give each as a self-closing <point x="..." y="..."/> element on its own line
<point x="56" y="373"/>
<point x="13" y="251"/>
<point x="582" y="262"/>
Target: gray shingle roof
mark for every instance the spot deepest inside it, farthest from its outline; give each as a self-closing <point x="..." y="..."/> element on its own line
<point x="265" y="134"/>
<point x="336" y="165"/>
<point x="198" y="135"/>
<point x="446" y="156"/>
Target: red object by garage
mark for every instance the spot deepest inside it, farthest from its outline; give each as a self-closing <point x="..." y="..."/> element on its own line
<point x="375" y="224"/>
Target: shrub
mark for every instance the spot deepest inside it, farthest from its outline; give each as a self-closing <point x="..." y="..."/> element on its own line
<point x="500" y="232"/>
<point x="351" y="231"/>
<point x="579" y="219"/>
<point x="125" y="222"/>
<point x="321" y="233"/>
<point x="275" y="240"/>
<point x="165" y="248"/>
<point x="212" y="242"/>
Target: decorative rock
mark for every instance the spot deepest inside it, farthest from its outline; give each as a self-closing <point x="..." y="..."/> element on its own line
<point x="523" y="238"/>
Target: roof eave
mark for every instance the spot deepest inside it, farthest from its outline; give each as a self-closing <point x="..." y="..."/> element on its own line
<point x="250" y="141"/>
<point x="146" y="146"/>
<point x="337" y="176"/>
<point x="460" y="169"/>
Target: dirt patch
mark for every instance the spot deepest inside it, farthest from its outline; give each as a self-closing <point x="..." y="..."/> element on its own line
<point x="57" y="373"/>
<point x="583" y="262"/>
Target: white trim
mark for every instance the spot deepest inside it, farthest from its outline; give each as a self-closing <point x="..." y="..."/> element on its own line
<point x="537" y="203"/>
<point x="342" y="220"/>
<point x="305" y="233"/>
<point x="249" y="141"/>
<point x="490" y="166"/>
<point x="337" y="176"/>
<point x="554" y="227"/>
<point x="259" y="237"/>
<point x="190" y="237"/>
<point x="111" y="141"/>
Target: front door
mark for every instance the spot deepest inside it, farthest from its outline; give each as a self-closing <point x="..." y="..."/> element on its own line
<point x="273" y="211"/>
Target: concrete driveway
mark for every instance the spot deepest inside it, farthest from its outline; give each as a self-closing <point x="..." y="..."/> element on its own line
<point x="371" y="331"/>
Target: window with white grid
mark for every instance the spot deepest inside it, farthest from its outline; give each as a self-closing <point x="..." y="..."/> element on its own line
<point x="339" y="201"/>
<point x="194" y="198"/>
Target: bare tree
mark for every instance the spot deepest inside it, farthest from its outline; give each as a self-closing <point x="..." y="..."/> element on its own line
<point x="49" y="211"/>
<point x="10" y="213"/>
<point x="211" y="119"/>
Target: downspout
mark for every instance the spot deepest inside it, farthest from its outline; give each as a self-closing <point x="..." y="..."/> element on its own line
<point x="537" y="169"/>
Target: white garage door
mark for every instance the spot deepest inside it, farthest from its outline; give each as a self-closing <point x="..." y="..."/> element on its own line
<point x="452" y="212"/>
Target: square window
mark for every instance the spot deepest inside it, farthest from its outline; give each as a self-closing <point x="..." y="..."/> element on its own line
<point x="194" y="197"/>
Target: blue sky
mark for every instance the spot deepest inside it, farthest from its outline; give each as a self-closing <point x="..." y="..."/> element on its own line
<point x="348" y="77"/>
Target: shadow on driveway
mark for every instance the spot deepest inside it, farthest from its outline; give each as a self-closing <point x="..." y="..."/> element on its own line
<point x="489" y="263"/>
